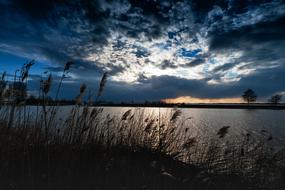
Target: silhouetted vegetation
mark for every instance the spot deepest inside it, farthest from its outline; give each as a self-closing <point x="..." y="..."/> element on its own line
<point x="85" y="148"/>
<point x="275" y="99"/>
<point x="249" y="96"/>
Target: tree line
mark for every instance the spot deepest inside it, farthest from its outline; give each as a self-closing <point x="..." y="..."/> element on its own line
<point x="250" y="96"/>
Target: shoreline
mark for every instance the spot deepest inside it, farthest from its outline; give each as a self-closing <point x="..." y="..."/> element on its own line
<point x="208" y="106"/>
<point x="157" y="105"/>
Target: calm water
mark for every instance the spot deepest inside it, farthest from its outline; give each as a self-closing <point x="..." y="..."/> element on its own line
<point x="253" y="120"/>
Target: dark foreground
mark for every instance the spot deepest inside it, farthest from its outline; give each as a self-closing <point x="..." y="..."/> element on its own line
<point x="28" y="164"/>
<point x="93" y="167"/>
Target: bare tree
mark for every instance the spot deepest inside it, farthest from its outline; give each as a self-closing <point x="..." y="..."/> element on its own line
<point x="276" y="99"/>
<point x="249" y="96"/>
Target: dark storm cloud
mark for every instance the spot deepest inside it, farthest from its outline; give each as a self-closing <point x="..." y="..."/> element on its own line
<point x="168" y="86"/>
<point x="40" y="10"/>
<point x="262" y="45"/>
<point x="195" y="62"/>
<point x="82" y="25"/>
<point x="265" y="84"/>
<point x="56" y="31"/>
<point x="167" y="64"/>
<point x="243" y="37"/>
<point x="224" y="67"/>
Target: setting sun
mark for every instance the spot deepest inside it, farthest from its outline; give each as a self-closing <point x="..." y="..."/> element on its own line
<point x="189" y="99"/>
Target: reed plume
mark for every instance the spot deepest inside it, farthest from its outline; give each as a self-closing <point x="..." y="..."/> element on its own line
<point x="67" y="66"/>
<point x="81" y="93"/>
<point x="46" y="84"/>
<point x="25" y="70"/>
<point x="126" y="114"/>
<point x="102" y="85"/>
<point x="175" y="115"/>
<point x="223" y="131"/>
<point x="149" y="126"/>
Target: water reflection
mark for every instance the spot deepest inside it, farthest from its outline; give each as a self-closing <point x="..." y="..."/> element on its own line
<point x="239" y="120"/>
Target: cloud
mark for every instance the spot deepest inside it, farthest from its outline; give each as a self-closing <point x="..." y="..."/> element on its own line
<point x="197" y="61"/>
<point x="153" y="49"/>
<point x="189" y="99"/>
<point x="244" y="36"/>
<point x="224" y="67"/>
<point x="167" y="64"/>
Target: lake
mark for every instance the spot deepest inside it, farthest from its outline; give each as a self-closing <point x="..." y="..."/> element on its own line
<point x="239" y="120"/>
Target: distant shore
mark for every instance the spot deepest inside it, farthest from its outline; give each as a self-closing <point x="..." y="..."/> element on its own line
<point x="279" y="106"/>
<point x="215" y="106"/>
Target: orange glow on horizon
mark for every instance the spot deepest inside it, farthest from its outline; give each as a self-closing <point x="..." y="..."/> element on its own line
<point x="189" y="99"/>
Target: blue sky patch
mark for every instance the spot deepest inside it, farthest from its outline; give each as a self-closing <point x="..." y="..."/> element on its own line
<point x="188" y="53"/>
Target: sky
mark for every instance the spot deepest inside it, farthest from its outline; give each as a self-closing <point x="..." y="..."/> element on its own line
<point x="174" y="50"/>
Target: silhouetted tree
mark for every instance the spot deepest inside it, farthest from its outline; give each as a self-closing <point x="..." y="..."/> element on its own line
<point x="249" y="96"/>
<point x="275" y="99"/>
